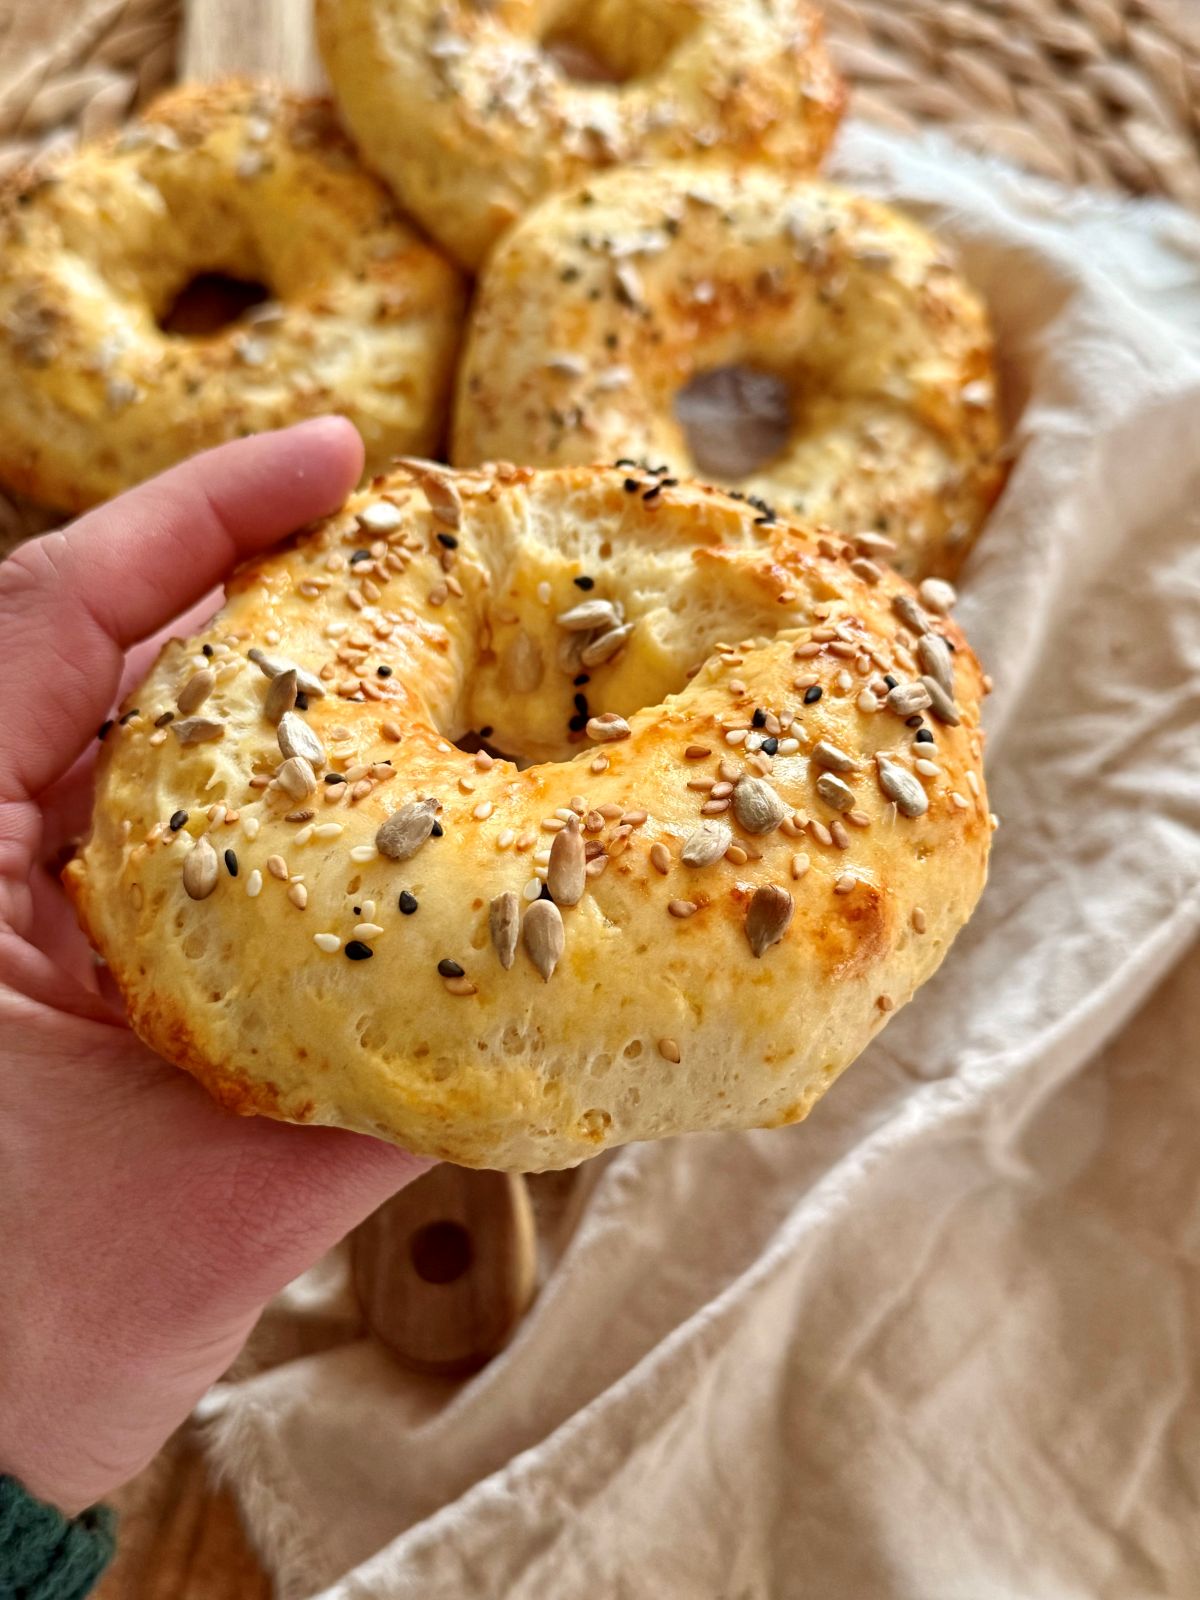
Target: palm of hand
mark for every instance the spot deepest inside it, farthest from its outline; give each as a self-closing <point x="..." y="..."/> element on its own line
<point x="141" y="1227"/>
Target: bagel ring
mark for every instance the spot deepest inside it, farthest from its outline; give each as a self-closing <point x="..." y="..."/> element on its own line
<point x="235" y="179"/>
<point x="755" y="818"/>
<point x="466" y="112"/>
<point x="597" y="313"/>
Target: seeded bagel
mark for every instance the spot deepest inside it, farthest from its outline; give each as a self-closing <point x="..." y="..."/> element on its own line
<point x="473" y="112"/>
<point x="597" y="315"/>
<point x="745" y="820"/>
<point x="235" y="179"/>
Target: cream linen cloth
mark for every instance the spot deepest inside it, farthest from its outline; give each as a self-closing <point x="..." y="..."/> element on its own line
<point x="942" y="1342"/>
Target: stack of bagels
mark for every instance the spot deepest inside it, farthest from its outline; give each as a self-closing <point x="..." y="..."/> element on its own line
<point x="609" y="779"/>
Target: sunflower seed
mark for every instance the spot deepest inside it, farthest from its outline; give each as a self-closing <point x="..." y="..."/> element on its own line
<point x="406" y="830"/>
<point x="607" y="728"/>
<point x="281" y="695"/>
<point x="565" y="875"/>
<point x="757" y="806"/>
<point x="707" y="844"/>
<point x="605" y="647"/>
<point x="938" y="595"/>
<point x="196" y="691"/>
<point x="934" y="655"/>
<point x="272" y="666"/>
<point x="381" y="516"/>
<point x="544" y="936"/>
<point x="586" y="616"/>
<point x="296" y="738"/>
<point x="504" y="924"/>
<point x="906" y="699"/>
<point x="766" y="921"/>
<point x="438" y="486"/>
<point x="835" y="793"/>
<point x="200" y="869"/>
<point x="296" y="777"/>
<point x="909" y="612"/>
<point x="197" y="730"/>
<point x="902" y="787"/>
<point x="942" y="704"/>
<point x="830" y="756"/>
<point x="522" y="666"/>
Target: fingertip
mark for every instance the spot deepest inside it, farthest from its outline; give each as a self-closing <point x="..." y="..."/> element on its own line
<point x="332" y="448"/>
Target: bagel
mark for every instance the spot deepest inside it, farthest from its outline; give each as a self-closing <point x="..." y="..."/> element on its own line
<point x="755" y="804"/>
<point x="599" y="316"/>
<point x="235" y="179"/>
<point x="467" y="112"/>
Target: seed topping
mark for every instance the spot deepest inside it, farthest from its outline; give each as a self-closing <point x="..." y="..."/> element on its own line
<point x="282" y="692"/>
<point x="566" y="872"/>
<point x="707" y="844"/>
<point x="406" y="830"/>
<point x="768" y="916"/>
<point x="832" y="757"/>
<point x="296" y="738"/>
<point x="757" y="806"/>
<point x="196" y="691"/>
<point x="544" y="936"/>
<point x="835" y="793"/>
<point x="504" y="925"/>
<point x="901" y="787"/>
<point x="272" y="666"/>
<point x="607" y="728"/>
<point x="941" y="703"/>
<point x="200" y="869"/>
<point x="197" y="730"/>
<point x="296" y="777"/>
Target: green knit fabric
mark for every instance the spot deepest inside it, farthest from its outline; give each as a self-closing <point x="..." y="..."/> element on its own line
<point x="46" y="1556"/>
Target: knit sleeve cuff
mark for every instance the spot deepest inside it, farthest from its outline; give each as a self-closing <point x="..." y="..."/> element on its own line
<point x="46" y="1556"/>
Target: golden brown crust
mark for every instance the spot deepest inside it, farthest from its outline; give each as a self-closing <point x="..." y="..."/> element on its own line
<point x="471" y="121"/>
<point x="233" y="178"/>
<point x="705" y="980"/>
<point x="604" y="304"/>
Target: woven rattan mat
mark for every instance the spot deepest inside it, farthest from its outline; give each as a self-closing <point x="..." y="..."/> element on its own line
<point x="1102" y="92"/>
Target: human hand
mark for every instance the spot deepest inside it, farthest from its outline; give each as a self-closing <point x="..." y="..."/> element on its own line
<point x="141" y="1227"/>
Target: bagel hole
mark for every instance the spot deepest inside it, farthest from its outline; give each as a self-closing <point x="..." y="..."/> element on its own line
<point x="736" y="420"/>
<point x="211" y="302"/>
<point x="470" y="743"/>
<point x="606" y="43"/>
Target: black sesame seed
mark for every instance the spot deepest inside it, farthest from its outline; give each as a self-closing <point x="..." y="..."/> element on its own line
<point x="356" y="950"/>
<point x="770" y="746"/>
<point x="448" y="540"/>
<point x="625" y="462"/>
<point x="581" y="704"/>
<point x="585" y="583"/>
<point x="358" y="911"/>
<point x="924" y="736"/>
<point x="383" y="672"/>
<point x="584" y="677"/>
<point x="408" y="902"/>
<point x="301" y="700"/>
<point x="438" y="830"/>
<point x="914" y="721"/>
<point x="670" y="483"/>
<point x="631" y="486"/>
<point x="577" y="723"/>
<point x="653" y="494"/>
<point x="360" y="555"/>
<point x="102" y="732"/>
<point x="231" y="863"/>
<point x="129" y="716"/>
<point x="949" y="643"/>
<point x="206" y="649"/>
<point x="889" y="680"/>
<point x="759" y="719"/>
<point x="178" y="818"/>
<point x="811" y="696"/>
<point x="450" y="969"/>
<point x="167" y="716"/>
<point x="334" y="777"/>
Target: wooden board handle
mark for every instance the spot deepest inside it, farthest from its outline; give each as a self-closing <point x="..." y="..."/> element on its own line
<point x="445" y="1270"/>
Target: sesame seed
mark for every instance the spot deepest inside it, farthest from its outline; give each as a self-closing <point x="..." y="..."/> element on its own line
<point x="661" y="857"/>
<point x="327" y="830"/>
<point x="919" y="920"/>
<point x="363" y="852"/>
<point x="669" y="1050"/>
<point x="356" y="950"/>
<point x="682" y="908"/>
<point x="735" y="736"/>
<point x="959" y="802"/>
<point x="304" y="835"/>
<point x="585" y="583"/>
<point x="367" y="930"/>
<point x="178" y="818"/>
<point x="886" y="1003"/>
<point x="330" y="944"/>
<point x="298" y="895"/>
<point x="800" y="865"/>
<point x="254" y="884"/>
<point x="696" y="752"/>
